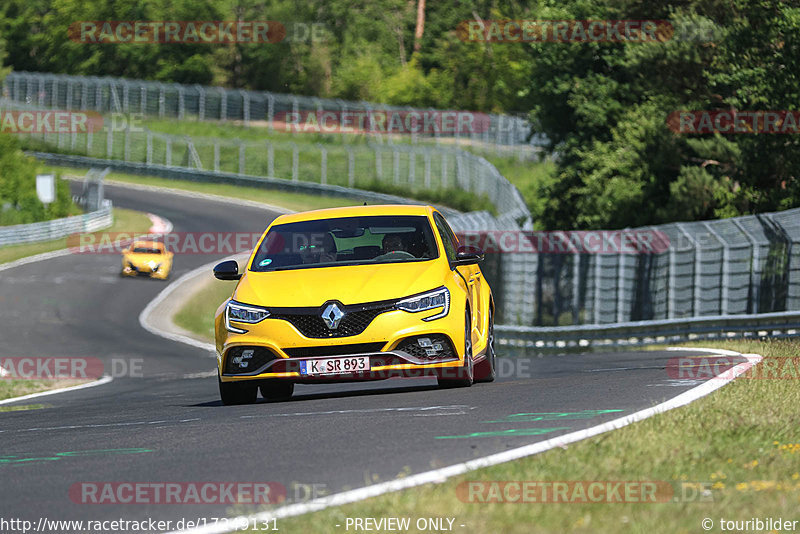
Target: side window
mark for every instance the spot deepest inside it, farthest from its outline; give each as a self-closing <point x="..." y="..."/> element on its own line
<point x="448" y="238"/>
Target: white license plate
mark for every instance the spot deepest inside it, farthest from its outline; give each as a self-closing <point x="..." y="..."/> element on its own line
<point x="334" y="366"/>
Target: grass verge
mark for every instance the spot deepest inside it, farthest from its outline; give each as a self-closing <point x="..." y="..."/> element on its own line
<point x="124" y="221"/>
<point x="17" y="388"/>
<point x="197" y="314"/>
<point x="740" y="443"/>
<point x="22" y="408"/>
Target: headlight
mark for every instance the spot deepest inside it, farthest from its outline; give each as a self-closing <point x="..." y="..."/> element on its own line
<point x="438" y="298"/>
<point x="242" y="313"/>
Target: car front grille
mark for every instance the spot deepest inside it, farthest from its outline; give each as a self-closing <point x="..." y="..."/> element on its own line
<point x="308" y="321"/>
<point x="246" y="360"/>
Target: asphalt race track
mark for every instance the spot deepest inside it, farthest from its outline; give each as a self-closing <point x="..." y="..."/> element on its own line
<point x="169" y="426"/>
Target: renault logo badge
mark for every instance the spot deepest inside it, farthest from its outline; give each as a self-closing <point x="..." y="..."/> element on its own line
<point x="332" y="315"/>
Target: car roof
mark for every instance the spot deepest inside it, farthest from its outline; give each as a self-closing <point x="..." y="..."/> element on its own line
<point x="355" y="211"/>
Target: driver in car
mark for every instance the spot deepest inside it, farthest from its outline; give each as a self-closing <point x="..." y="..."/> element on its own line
<point x="395" y="245"/>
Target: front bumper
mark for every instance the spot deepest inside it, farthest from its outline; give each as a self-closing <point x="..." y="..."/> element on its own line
<point x="390" y="341"/>
<point x="162" y="272"/>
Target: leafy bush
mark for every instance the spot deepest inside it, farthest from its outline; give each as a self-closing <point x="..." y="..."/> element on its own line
<point x="18" y="201"/>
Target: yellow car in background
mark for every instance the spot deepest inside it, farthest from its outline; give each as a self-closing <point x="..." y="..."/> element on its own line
<point x="147" y="258"/>
<point x="353" y="294"/>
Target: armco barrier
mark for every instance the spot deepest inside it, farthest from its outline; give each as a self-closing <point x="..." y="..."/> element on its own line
<point x="721" y="327"/>
<point x="195" y="175"/>
<point x="57" y="228"/>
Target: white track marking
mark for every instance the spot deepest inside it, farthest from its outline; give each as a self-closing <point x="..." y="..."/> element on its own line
<point x="362" y="411"/>
<point x="98" y="425"/>
<point x="98" y="382"/>
<point x="150" y="324"/>
<point x="440" y="475"/>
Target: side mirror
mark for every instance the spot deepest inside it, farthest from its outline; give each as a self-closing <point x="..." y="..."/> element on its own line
<point x="227" y="270"/>
<point x="469" y="256"/>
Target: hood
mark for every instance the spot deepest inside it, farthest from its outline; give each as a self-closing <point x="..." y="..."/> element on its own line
<point x="353" y="284"/>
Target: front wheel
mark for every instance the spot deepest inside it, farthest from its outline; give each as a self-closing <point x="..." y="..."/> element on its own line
<point x="278" y="390"/>
<point x="465" y="375"/>
<point x="233" y="393"/>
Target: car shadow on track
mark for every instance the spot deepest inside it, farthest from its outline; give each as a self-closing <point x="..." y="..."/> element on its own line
<point x="332" y="395"/>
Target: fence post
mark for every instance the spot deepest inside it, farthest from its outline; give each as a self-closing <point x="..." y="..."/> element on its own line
<point x="271" y="161"/>
<point x="323" y="172"/>
<point x="242" y="158"/>
<point x="201" y="102"/>
<point x="270" y="112"/>
<point x="444" y="170"/>
<point x="245" y="107"/>
<point x="295" y="163"/>
<point x="181" y="102"/>
<point x="127" y="148"/>
<point x="149" y="155"/>
<point x="671" y="282"/>
<point x="69" y="96"/>
<point x="725" y="284"/>
<point x="295" y="112"/>
<point x="576" y="287"/>
<point x="161" y="100"/>
<point x="351" y="167"/>
<point x="143" y="99"/>
<point x="40" y="96"/>
<point x="223" y="104"/>
<point x="620" y="287"/>
<point x="216" y="156"/>
<point x="84" y="95"/>
<point x="54" y="95"/>
<point x="427" y="169"/>
<point x="598" y="276"/>
<point x="109" y="142"/>
<point x="755" y="267"/>
<point x="396" y="165"/>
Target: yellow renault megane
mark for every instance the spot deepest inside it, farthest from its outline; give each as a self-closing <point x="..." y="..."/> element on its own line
<point x="351" y="294"/>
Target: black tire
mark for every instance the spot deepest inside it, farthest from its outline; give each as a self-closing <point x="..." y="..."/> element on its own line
<point x="486" y="370"/>
<point x="233" y="393"/>
<point x="278" y="390"/>
<point x="466" y="374"/>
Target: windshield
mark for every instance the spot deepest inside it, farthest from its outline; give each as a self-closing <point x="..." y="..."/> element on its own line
<point x="146" y="250"/>
<point x="346" y="241"/>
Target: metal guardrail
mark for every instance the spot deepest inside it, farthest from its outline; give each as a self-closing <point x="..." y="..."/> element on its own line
<point x="195" y="175"/>
<point x="57" y="228"/>
<point x="778" y="324"/>
<point x="415" y="168"/>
